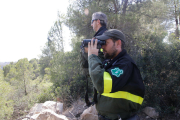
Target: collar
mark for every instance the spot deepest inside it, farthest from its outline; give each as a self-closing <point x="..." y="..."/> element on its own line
<point x="112" y="62"/>
<point x="100" y="31"/>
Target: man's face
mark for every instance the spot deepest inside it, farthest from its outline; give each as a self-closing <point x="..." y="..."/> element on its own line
<point x="109" y="49"/>
<point x="94" y="24"/>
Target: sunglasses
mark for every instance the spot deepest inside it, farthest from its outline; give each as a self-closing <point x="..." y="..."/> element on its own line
<point x="93" y="21"/>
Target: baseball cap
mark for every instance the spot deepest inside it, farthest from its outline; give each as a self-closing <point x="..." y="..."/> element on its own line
<point x="112" y="33"/>
<point x="100" y="16"/>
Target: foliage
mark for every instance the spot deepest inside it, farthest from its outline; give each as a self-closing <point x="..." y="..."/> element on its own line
<point x="7" y="68"/>
<point x="24" y="73"/>
<point x="44" y="61"/>
<point x="46" y="94"/>
<point x="23" y="87"/>
<point x="6" y="105"/>
<point x="64" y="70"/>
<point x="63" y="93"/>
<point x="64" y="75"/>
<point x="35" y="65"/>
<point x="160" y="71"/>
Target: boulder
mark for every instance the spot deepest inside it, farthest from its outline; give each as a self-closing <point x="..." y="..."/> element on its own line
<point x="151" y="112"/>
<point x="36" y="109"/>
<point x="48" y="115"/>
<point x="90" y="114"/>
<point x="49" y="110"/>
<point x="54" y="106"/>
<point x="76" y="109"/>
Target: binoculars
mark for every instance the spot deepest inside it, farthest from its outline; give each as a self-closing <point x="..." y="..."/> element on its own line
<point x="86" y="41"/>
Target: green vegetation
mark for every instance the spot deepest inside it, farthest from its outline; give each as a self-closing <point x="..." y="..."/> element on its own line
<point x="57" y="74"/>
<point x="6" y="104"/>
<point x="22" y="87"/>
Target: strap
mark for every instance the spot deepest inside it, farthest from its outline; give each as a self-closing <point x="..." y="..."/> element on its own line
<point x="88" y="103"/>
<point x="95" y="96"/>
<point x="86" y="95"/>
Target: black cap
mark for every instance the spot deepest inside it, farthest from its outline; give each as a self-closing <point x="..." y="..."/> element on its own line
<point x="112" y="33"/>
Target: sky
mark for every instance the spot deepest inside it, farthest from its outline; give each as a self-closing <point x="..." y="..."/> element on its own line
<point x="24" y="27"/>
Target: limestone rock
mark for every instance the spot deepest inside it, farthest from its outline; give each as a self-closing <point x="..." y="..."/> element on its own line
<point x="36" y="109"/>
<point x="49" y="110"/>
<point x="48" y="115"/>
<point x="151" y="112"/>
<point x="90" y="114"/>
<point x="76" y="109"/>
<point x="54" y="106"/>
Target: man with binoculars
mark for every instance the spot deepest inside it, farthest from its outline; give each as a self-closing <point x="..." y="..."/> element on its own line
<point x="99" y="23"/>
<point x="117" y="80"/>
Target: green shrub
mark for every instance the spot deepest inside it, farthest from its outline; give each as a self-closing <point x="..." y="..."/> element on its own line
<point x="46" y="95"/>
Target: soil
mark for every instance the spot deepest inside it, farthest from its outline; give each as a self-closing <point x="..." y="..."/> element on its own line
<point x="143" y="116"/>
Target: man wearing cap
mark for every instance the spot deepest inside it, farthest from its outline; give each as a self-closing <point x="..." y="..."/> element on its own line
<point x="117" y="80"/>
<point x="99" y="23"/>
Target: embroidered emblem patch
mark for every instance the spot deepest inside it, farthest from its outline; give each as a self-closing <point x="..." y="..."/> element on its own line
<point x="117" y="72"/>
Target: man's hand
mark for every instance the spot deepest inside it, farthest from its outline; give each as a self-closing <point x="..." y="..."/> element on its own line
<point x="92" y="49"/>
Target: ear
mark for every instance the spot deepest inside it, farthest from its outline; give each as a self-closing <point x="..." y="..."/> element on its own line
<point x="118" y="43"/>
<point x="98" y="21"/>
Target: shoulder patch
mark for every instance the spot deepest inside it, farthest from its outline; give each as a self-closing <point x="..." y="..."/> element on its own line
<point x="117" y="72"/>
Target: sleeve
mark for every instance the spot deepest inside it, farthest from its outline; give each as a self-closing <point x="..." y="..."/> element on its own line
<point x="84" y="58"/>
<point x="96" y="72"/>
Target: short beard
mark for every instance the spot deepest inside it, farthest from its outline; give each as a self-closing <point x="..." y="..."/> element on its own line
<point x="110" y="56"/>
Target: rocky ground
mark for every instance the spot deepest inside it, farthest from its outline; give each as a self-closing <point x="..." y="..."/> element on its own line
<point x="79" y="110"/>
<point x="143" y="116"/>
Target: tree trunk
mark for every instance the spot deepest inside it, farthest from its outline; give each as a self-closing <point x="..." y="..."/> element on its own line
<point x="124" y="7"/>
<point x="176" y="20"/>
<point x="116" y="5"/>
<point x="24" y="85"/>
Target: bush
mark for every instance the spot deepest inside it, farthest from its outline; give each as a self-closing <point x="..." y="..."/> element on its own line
<point x="161" y="74"/>
<point x="63" y="93"/>
<point x="46" y="95"/>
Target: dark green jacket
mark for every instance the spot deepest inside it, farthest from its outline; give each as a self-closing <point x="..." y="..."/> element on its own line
<point x="119" y="85"/>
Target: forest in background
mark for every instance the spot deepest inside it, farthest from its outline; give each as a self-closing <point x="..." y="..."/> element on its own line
<point x="151" y="28"/>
